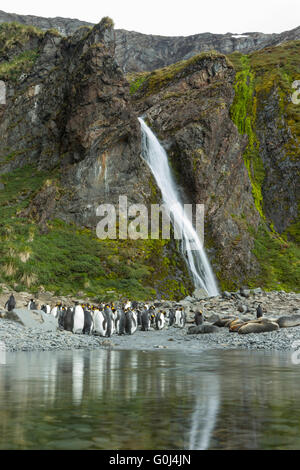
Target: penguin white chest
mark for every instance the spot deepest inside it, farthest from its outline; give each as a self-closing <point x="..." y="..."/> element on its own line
<point x="179" y="318"/>
<point x="78" y="319"/>
<point x="99" y="323"/>
<point x="54" y="312"/>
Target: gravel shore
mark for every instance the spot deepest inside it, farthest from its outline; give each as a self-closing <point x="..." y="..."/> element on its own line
<point x="275" y="304"/>
<point x="18" y="338"/>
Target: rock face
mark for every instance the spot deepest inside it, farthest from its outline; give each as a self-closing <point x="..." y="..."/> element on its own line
<point x="77" y="95"/>
<point x="64" y="26"/>
<point x="68" y="126"/>
<point x="138" y="52"/>
<point x="189" y="109"/>
<point x="70" y="140"/>
<point x="281" y="185"/>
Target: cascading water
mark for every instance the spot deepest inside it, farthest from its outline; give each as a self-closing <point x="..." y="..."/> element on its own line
<point x="157" y="159"/>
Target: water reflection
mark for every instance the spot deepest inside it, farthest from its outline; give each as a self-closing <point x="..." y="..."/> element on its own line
<point x="141" y="400"/>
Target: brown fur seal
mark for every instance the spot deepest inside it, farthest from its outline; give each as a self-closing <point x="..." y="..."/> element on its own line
<point x="205" y="328"/>
<point x="225" y="321"/>
<point x="287" y="322"/>
<point x="258" y="327"/>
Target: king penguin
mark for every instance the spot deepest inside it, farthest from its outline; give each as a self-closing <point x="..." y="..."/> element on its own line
<point x="69" y="319"/>
<point x="259" y="311"/>
<point x="11" y="303"/>
<point x="88" y="322"/>
<point x="130" y="322"/>
<point x="146" y="320"/>
<point x="198" y="318"/>
<point x="78" y="319"/>
<point x="179" y="318"/>
<point x="100" y="323"/>
<point x="160" y="320"/>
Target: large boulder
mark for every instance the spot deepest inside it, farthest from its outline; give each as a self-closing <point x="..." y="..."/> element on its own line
<point x="32" y="319"/>
<point x="200" y="294"/>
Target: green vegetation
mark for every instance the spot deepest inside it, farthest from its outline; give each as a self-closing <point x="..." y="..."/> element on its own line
<point x="67" y="259"/>
<point x="259" y="74"/>
<point x="22" y="63"/>
<point x="136" y="81"/>
<point x="243" y="114"/>
<point x="107" y="22"/>
<point x="13" y="36"/>
<point x="154" y="81"/>
<point x="279" y="261"/>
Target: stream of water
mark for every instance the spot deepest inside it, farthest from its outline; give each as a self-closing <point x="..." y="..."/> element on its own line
<point x="157" y="159"/>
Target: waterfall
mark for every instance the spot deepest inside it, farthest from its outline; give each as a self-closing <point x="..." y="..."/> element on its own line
<point x="191" y="246"/>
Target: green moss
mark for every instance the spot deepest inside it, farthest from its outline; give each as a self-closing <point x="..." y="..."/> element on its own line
<point x="107" y="22"/>
<point x="21" y="64"/>
<point x="160" y="78"/>
<point x="15" y="36"/>
<point x="243" y="114"/>
<point x="136" y="81"/>
<point x="279" y="261"/>
<point x="68" y="259"/>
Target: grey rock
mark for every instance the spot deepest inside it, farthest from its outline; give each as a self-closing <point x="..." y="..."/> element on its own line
<point x="226" y="295"/>
<point x="36" y="319"/>
<point x="200" y="294"/>
<point x="257" y="291"/>
<point x="138" y="52"/>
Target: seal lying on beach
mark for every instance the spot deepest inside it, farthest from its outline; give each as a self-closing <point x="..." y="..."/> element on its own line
<point x="258" y="326"/>
<point x="287" y="322"/>
<point x="205" y="328"/>
<point x="225" y="321"/>
<point x="235" y="325"/>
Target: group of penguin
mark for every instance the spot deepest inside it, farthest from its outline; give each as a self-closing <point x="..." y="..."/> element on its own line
<point x="107" y="319"/>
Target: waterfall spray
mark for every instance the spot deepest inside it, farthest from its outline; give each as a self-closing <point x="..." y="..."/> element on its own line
<point x="157" y="159"/>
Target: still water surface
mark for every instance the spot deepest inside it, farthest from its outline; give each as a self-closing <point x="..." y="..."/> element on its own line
<point x="149" y="400"/>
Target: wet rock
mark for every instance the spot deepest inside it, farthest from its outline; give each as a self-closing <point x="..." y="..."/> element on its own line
<point x="226" y="295"/>
<point x="257" y="291"/>
<point x="200" y="294"/>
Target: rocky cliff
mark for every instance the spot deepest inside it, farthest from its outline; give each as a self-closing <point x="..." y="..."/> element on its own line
<point x="141" y="52"/>
<point x="70" y="140"/>
<point x="246" y="175"/>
